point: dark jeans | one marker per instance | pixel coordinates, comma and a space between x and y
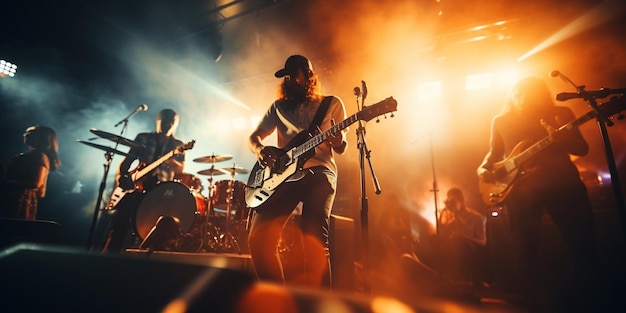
311, 267
570, 209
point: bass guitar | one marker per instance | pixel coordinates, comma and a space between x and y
264, 180
507, 171
119, 193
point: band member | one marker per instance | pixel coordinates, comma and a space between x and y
550, 182
462, 234
26, 174
293, 112
155, 144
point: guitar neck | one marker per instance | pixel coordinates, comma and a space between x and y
141, 173
321, 137
541, 144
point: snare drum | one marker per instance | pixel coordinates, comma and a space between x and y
169, 199
233, 192
189, 180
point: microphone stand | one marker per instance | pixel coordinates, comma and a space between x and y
435, 191
603, 122
364, 153
108, 156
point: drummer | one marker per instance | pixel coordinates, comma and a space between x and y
152, 146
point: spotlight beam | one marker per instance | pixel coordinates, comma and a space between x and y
603, 12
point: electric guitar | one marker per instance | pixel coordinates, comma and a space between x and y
263, 181
119, 193
508, 170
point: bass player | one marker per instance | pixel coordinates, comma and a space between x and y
155, 144
548, 181
296, 111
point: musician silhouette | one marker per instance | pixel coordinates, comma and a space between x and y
153, 145
462, 237
548, 181
26, 174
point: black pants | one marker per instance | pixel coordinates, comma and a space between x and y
311, 267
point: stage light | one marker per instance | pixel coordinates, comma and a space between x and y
239, 123
429, 90
507, 78
7, 69
478, 81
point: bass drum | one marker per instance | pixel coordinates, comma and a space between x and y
169, 199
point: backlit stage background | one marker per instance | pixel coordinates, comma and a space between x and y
448, 63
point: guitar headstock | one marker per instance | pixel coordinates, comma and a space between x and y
186, 146
383, 107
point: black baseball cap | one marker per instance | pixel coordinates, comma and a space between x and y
294, 63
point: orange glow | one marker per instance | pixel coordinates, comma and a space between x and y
263, 297
603, 12
478, 81
429, 90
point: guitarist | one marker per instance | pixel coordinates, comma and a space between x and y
548, 181
292, 113
156, 144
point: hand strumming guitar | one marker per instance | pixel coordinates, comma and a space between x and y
268, 156
126, 182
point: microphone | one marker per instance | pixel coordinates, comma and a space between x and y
364, 87
357, 91
142, 107
565, 79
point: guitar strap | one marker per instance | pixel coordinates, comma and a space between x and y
319, 115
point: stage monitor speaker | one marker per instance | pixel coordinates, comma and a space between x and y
39, 278
342, 251
14, 231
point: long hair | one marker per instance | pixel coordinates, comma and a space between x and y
313, 88
537, 94
45, 140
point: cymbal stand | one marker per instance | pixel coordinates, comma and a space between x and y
108, 156
205, 224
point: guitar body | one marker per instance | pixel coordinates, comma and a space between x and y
119, 192
142, 170
116, 196
493, 193
263, 181
507, 171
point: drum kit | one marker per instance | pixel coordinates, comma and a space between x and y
217, 223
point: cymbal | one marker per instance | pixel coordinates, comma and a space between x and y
233, 170
213, 158
212, 171
101, 147
118, 139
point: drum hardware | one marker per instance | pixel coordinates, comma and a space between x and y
101, 147
212, 172
225, 197
117, 139
213, 158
